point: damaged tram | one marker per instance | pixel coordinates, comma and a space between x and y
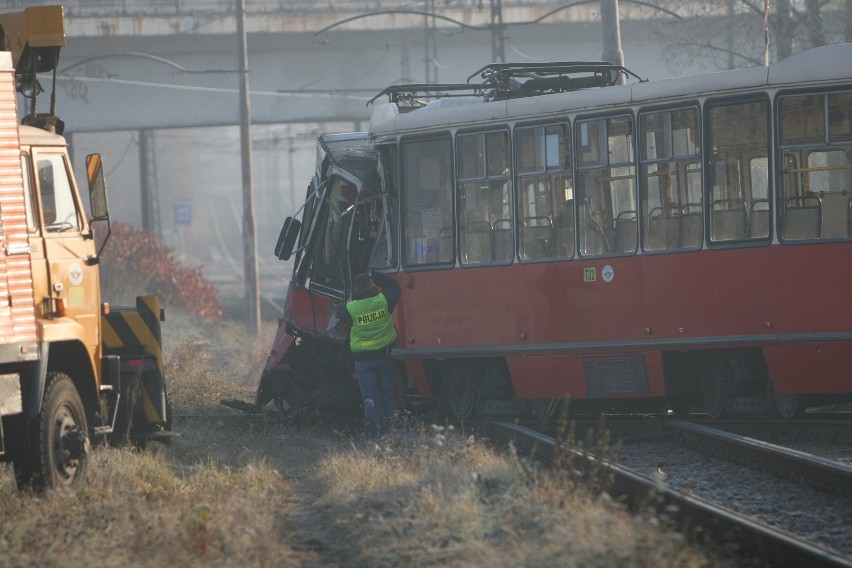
675, 244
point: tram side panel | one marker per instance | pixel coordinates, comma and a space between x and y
554, 329
560, 332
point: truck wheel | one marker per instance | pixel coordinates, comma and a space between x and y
57, 456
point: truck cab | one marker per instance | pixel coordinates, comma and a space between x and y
62, 245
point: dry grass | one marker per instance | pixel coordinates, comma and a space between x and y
235, 491
151, 509
209, 361
432, 498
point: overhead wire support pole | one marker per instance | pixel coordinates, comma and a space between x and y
611, 32
430, 42
252, 304
766, 4
148, 183
498, 51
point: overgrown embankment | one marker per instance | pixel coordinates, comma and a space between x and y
237, 491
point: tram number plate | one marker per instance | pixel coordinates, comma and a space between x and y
589, 274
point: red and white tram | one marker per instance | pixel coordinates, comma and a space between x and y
681, 242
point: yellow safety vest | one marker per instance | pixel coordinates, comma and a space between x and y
372, 323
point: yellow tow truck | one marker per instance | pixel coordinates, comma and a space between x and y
72, 370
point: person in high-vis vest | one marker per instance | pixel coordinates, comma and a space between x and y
371, 338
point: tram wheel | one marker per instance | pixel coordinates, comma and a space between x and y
463, 391
787, 405
715, 389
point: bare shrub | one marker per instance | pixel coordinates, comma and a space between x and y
135, 263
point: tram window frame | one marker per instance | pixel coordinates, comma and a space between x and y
730, 207
665, 218
813, 184
603, 225
482, 240
308, 233
548, 213
413, 207
388, 225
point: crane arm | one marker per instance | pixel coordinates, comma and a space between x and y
34, 38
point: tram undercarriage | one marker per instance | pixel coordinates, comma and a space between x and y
313, 382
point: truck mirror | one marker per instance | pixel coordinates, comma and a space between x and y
97, 187
287, 238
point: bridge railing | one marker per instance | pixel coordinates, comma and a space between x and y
88, 8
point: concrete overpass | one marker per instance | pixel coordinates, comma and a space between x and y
181, 67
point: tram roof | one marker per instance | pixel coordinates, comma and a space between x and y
822, 64
350, 155
353, 151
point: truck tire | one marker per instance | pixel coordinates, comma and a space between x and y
57, 455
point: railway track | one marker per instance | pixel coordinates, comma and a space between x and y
830, 427
754, 538
824, 426
821, 473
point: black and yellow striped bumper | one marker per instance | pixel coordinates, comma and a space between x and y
134, 335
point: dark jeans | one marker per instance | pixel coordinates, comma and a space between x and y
376, 381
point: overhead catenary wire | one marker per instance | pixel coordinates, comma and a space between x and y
312, 94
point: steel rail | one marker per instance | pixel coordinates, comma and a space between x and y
778, 547
832, 426
824, 474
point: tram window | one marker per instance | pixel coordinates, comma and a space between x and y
591, 143
341, 198
606, 189
759, 171
485, 198
827, 171
545, 192
670, 178
802, 119
694, 188
759, 213
839, 117
685, 133
816, 166
427, 201
620, 139
737, 176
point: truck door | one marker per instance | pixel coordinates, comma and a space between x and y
67, 244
